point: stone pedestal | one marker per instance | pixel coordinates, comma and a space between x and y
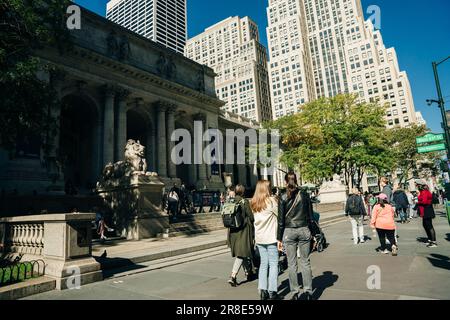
136, 206
62, 241
334, 194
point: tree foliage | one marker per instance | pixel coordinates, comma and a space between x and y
333, 136
27, 26
408, 163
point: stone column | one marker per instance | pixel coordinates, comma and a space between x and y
108, 125
121, 139
151, 147
172, 168
161, 140
202, 168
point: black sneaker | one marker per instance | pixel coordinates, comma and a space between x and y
274, 296
232, 281
264, 295
306, 296
295, 297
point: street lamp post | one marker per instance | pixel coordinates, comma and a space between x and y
441, 104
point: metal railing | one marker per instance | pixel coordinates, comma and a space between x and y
21, 271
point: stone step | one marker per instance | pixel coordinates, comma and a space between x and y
168, 262
195, 231
198, 217
27, 288
134, 260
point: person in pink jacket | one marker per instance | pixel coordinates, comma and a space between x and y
383, 221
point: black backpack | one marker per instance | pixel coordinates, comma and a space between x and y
353, 205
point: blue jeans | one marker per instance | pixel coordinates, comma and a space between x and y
268, 269
403, 214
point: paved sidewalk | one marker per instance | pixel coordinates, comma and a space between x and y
340, 273
121, 253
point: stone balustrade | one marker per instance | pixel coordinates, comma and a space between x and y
62, 241
26, 238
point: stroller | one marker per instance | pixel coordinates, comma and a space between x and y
318, 242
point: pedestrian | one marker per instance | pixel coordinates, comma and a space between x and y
241, 240
354, 210
383, 221
222, 200
183, 199
386, 188
401, 205
265, 208
426, 211
411, 204
294, 233
173, 200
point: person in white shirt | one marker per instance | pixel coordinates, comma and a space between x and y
265, 211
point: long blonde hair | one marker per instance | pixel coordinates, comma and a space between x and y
261, 196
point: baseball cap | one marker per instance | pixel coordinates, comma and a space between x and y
382, 196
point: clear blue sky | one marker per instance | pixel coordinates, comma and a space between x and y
419, 30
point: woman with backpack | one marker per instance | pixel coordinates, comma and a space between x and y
265, 209
241, 240
383, 221
356, 211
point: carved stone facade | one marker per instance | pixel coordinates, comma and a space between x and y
119, 86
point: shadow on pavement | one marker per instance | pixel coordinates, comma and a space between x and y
322, 282
448, 237
112, 266
422, 240
440, 261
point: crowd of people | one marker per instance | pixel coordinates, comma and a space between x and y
383, 209
275, 224
272, 225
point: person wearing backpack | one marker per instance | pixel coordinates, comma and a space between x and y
401, 205
241, 235
383, 221
265, 208
355, 211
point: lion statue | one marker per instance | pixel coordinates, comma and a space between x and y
135, 156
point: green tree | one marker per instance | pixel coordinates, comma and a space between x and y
335, 135
408, 163
27, 26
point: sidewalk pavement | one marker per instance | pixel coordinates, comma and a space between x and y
123, 253
342, 272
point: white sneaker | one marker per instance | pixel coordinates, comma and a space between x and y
394, 251
386, 251
362, 241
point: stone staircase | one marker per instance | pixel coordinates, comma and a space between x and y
196, 224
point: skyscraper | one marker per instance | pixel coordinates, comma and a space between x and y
323, 48
232, 48
163, 21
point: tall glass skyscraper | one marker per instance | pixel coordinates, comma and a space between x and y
163, 21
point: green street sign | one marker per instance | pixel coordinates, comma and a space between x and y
431, 137
432, 148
